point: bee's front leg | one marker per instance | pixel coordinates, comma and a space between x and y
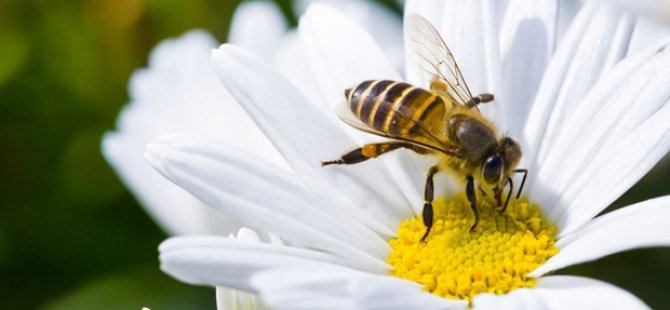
472, 198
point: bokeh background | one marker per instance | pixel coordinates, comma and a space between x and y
71, 235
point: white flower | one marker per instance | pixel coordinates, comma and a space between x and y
179, 92
591, 118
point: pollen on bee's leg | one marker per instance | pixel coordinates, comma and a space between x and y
456, 263
370, 150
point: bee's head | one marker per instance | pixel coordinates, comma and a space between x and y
498, 166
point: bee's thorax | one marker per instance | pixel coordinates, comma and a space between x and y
475, 139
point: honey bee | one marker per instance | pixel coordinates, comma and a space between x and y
443, 120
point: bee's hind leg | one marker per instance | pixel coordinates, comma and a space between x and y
428, 201
472, 198
371, 150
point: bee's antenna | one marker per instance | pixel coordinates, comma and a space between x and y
509, 195
523, 181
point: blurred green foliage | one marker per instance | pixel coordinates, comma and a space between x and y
71, 236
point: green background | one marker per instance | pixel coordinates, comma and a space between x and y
71, 236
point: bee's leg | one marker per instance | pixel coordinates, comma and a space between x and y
428, 201
472, 198
497, 193
371, 150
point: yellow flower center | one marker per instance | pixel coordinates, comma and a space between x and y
457, 263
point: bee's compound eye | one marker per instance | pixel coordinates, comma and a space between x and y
493, 169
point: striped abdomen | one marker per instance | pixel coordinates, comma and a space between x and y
394, 107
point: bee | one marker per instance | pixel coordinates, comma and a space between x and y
443, 120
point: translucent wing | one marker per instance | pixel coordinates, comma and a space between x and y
434, 61
422, 135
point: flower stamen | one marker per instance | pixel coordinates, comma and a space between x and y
457, 263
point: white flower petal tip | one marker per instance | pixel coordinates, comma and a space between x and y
638, 226
153, 153
339, 288
248, 235
156, 151
562, 292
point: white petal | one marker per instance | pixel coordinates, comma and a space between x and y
563, 292
289, 60
519, 299
305, 137
570, 292
527, 38
379, 21
174, 209
178, 92
644, 224
227, 298
342, 54
258, 26
608, 155
311, 288
259, 195
181, 93
230, 299
219, 261
567, 10
595, 42
242, 175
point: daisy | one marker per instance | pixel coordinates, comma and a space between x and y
592, 120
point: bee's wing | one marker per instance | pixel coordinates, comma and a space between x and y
434, 61
425, 137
